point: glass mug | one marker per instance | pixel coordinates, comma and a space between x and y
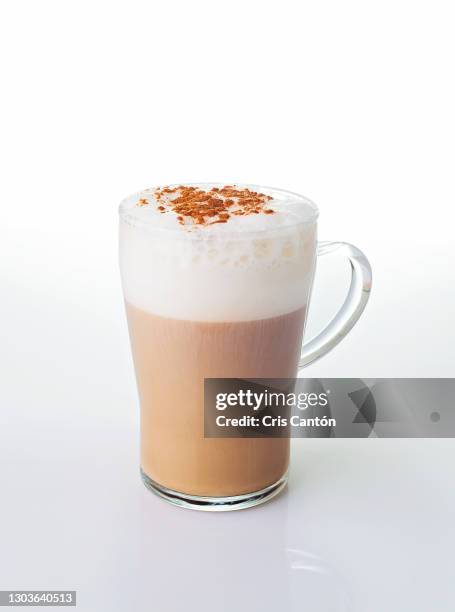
230, 303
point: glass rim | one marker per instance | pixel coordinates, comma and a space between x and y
125, 215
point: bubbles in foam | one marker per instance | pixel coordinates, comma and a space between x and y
252, 267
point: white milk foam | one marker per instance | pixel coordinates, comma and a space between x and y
252, 267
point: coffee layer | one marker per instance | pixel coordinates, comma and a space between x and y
172, 358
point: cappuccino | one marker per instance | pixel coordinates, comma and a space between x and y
216, 282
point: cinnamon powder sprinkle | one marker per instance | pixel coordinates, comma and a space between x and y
195, 206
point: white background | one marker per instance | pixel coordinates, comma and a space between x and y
350, 103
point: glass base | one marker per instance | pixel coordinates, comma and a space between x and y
215, 504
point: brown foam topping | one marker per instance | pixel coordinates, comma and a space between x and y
196, 206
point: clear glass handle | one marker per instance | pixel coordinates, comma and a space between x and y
352, 308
